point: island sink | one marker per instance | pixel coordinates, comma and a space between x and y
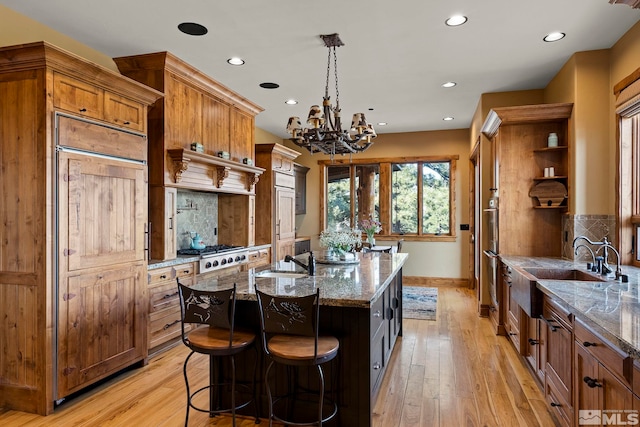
281, 274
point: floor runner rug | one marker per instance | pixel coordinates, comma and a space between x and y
419, 302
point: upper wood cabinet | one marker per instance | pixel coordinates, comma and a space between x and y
519, 136
82, 319
195, 108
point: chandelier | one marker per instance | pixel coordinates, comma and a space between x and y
325, 134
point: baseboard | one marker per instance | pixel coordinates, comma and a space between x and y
434, 281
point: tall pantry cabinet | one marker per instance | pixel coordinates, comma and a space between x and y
73, 178
276, 200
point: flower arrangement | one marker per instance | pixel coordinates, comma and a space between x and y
370, 226
340, 240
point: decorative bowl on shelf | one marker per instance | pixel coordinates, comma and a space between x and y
549, 193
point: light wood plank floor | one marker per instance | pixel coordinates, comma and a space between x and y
450, 372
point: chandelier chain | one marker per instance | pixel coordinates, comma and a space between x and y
326, 86
335, 69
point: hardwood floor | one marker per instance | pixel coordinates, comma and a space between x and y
450, 372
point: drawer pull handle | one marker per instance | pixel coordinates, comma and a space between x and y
170, 295
512, 333
168, 325
548, 322
593, 383
126, 122
377, 314
533, 342
83, 110
376, 366
589, 344
164, 276
555, 405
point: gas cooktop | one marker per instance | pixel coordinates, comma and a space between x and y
215, 249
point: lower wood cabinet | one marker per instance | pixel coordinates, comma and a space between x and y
164, 303
258, 258
557, 325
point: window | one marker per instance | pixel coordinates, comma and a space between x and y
409, 196
628, 196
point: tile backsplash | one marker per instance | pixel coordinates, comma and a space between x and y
593, 227
197, 212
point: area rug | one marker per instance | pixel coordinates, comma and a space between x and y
419, 302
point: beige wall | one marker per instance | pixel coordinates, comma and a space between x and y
429, 259
584, 81
18, 29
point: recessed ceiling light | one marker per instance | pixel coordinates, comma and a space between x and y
193, 29
269, 85
447, 119
291, 102
554, 37
456, 20
382, 123
449, 84
235, 61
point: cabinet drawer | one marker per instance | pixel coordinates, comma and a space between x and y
376, 315
378, 345
161, 274
258, 258
552, 310
282, 180
163, 296
614, 359
164, 325
77, 97
185, 271
557, 405
124, 112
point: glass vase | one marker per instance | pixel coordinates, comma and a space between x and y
371, 239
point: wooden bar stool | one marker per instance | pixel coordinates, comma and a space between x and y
220, 339
290, 338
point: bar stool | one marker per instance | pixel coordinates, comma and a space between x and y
290, 338
220, 339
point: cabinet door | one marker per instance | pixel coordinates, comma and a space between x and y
77, 97
285, 222
102, 324
102, 211
587, 392
558, 354
183, 115
615, 395
241, 140
124, 112
534, 345
215, 125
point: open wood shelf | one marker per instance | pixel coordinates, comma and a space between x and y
550, 149
546, 178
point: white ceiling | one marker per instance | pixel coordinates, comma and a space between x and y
396, 54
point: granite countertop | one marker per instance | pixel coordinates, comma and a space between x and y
346, 285
611, 308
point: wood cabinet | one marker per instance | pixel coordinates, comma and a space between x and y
301, 188
164, 303
196, 108
558, 326
275, 199
303, 245
512, 309
534, 345
72, 250
259, 257
519, 135
602, 374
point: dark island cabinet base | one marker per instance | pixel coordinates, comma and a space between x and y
367, 338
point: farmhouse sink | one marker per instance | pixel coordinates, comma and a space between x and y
562, 274
281, 274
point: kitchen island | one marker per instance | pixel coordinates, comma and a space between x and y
361, 305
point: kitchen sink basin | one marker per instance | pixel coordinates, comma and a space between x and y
562, 274
281, 274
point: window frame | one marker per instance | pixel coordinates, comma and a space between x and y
627, 94
385, 192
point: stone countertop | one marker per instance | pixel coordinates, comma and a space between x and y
344, 285
611, 308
